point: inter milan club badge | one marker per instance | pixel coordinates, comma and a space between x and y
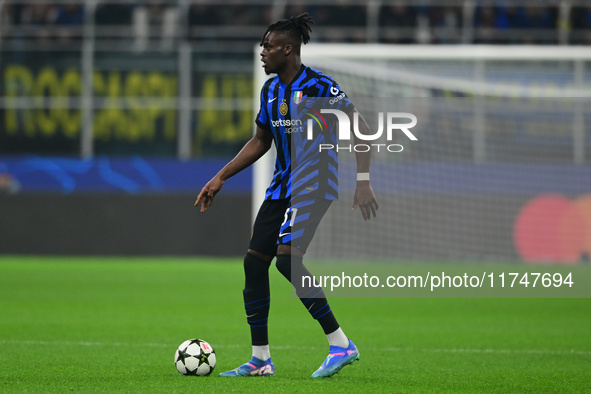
297, 97
283, 108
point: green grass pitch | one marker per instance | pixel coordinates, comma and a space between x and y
113, 324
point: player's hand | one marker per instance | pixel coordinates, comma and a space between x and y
366, 200
207, 194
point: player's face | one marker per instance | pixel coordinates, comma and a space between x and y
273, 55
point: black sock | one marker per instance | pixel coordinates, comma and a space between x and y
257, 298
313, 298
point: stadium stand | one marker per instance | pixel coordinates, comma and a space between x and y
394, 21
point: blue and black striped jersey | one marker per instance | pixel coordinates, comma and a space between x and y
301, 167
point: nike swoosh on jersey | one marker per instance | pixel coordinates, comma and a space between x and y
271, 100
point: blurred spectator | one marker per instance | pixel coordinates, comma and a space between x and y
204, 15
114, 20
40, 17
245, 15
485, 23
70, 14
8, 12
71, 17
580, 20
540, 17
445, 24
238, 17
544, 20
155, 12
345, 14
342, 13
509, 20
6, 15
350, 19
114, 14
156, 20
295, 10
510, 16
399, 22
514, 22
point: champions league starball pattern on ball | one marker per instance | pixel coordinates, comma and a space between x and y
195, 357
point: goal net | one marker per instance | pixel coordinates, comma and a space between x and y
500, 168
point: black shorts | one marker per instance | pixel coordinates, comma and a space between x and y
287, 222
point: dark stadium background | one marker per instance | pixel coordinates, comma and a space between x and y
76, 181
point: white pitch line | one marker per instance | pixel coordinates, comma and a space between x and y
82, 343
495, 351
391, 349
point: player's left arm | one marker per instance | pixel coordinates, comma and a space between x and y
364, 197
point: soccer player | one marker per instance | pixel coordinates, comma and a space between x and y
293, 205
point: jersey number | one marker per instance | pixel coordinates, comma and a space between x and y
289, 216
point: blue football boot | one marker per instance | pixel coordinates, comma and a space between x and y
255, 367
338, 357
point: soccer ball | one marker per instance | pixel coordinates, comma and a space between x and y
195, 357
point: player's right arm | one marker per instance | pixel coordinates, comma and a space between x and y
364, 197
253, 150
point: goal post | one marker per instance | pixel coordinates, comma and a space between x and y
491, 121
263, 169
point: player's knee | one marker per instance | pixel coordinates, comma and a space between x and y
283, 265
291, 266
288, 249
255, 263
260, 256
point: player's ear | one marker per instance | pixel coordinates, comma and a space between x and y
287, 49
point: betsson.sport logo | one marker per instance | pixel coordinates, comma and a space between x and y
297, 125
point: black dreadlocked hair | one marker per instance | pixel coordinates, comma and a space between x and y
296, 27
